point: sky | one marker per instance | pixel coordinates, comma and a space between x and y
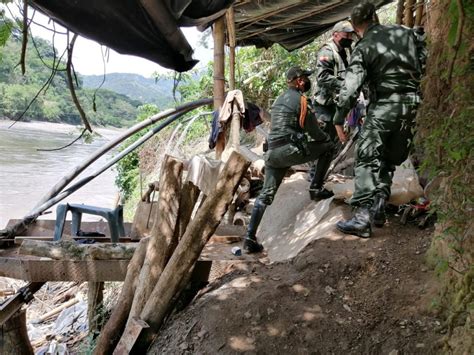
87, 55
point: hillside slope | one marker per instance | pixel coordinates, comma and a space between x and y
135, 86
340, 295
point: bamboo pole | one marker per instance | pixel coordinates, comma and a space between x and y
219, 77
400, 9
419, 12
54, 195
408, 16
230, 21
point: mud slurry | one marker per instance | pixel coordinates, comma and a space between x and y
344, 296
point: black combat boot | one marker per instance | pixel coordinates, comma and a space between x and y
378, 210
359, 225
250, 243
316, 190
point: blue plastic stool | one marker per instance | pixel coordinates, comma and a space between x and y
113, 217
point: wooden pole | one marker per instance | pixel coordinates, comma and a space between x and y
194, 239
95, 297
231, 41
400, 9
110, 334
419, 12
219, 77
408, 16
14, 336
162, 238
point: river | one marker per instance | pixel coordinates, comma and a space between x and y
27, 174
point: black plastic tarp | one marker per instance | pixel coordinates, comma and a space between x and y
128, 26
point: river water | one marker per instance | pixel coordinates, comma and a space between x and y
27, 174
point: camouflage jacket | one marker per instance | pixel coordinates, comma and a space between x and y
390, 60
330, 70
285, 114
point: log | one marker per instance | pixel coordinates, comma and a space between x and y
189, 196
162, 236
112, 330
95, 297
69, 250
194, 239
126, 343
14, 336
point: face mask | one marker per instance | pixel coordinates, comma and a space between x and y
345, 42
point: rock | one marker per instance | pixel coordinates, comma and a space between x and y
202, 333
347, 308
420, 345
394, 352
270, 311
247, 315
184, 346
329, 290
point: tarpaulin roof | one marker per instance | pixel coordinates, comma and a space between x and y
145, 28
291, 23
150, 28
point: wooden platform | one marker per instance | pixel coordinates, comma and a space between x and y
30, 268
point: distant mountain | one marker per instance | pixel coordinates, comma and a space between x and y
135, 86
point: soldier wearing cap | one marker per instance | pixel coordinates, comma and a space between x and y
390, 60
330, 69
291, 120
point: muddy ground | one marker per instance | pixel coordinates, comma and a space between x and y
338, 296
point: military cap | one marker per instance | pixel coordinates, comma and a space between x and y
343, 26
296, 72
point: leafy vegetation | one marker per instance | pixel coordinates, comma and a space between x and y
53, 104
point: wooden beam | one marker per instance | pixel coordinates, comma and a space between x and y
219, 77
37, 270
70, 250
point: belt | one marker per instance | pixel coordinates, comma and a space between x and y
279, 142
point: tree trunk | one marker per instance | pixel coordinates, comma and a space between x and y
112, 330
194, 239
189, 197
162, 236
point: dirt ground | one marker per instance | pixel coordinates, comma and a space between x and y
342, 296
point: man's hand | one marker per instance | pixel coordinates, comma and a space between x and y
341, 134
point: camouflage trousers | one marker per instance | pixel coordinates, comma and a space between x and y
279, 160
385, 142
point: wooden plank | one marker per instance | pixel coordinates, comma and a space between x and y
128, 340
37, 270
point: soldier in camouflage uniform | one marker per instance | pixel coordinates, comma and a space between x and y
287, 145
389, 59
330, 69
